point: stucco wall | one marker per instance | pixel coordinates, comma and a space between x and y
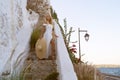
16, 25
65, 67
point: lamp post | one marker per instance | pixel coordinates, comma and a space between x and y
86, 36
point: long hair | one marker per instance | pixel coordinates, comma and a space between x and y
48, 18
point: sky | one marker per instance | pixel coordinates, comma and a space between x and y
101, 18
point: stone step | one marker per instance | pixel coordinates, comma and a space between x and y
36, 69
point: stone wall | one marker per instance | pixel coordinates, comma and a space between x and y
42, 7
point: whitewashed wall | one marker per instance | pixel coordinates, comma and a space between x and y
16, 25
65, 67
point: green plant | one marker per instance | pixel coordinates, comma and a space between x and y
54, 14
52, 76
67, 36
34, 37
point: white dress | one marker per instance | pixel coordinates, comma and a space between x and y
48, 36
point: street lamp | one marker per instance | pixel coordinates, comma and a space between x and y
86, 38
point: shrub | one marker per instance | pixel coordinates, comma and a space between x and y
34, 37
84, 71
87, 72
52, 76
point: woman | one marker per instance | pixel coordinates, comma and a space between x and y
43, 46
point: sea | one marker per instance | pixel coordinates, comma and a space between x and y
111, 71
